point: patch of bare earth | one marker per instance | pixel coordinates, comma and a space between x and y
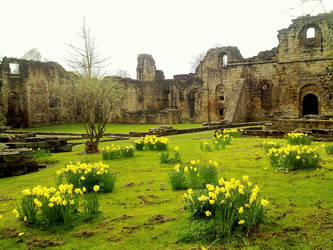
85, 233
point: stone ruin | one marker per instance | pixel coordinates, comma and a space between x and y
293, 80
16, 152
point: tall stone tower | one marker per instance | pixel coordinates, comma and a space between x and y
146, 70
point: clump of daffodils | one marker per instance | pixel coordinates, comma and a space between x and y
270, 144
219, 141
49, 205
195, 174
233, 132
171, 156
152, 143
117, 152
293, 157
299, 139
88, 175
232, 205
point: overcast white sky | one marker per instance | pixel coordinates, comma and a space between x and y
173, 31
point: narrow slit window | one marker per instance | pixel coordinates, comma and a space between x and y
225, 61
310, 33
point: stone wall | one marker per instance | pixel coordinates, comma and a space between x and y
292, 80
28, 92
275, 83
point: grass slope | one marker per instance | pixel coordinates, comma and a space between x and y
301, 202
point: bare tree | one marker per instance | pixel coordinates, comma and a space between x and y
123, 73
197, 60
32, 54
84, 58
86, 97
308, 7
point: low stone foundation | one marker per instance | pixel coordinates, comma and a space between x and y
289, 125
29, 140
16, 161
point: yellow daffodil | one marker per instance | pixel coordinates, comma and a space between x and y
96, 188
241, 222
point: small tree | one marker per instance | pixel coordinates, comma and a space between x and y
84, 58
87, 97
90, 100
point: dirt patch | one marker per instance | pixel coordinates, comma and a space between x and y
292, 229
114, 238
131, 184
146, 202
41, 243
284, 214
268, 235
121, 217
159, 219
129, 229
151, 182
7, 198
9, 232
324, 217
84, 233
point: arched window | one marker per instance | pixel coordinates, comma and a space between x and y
310, 105
225, 61
310, 33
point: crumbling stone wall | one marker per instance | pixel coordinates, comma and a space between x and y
29, 93
286, 81
274, 83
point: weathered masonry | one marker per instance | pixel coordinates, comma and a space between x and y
293, 80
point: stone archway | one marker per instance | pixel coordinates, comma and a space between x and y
310, 105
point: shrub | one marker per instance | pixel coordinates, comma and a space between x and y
88, 175
298, 139
166, 158
233, 132
52, 206
117, 152
194, 175
219, 211
293, 157
152, 143
270, 144
329, 149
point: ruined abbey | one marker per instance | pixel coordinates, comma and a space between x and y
293, 80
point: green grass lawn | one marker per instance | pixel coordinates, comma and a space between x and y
301, 203
110, 128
